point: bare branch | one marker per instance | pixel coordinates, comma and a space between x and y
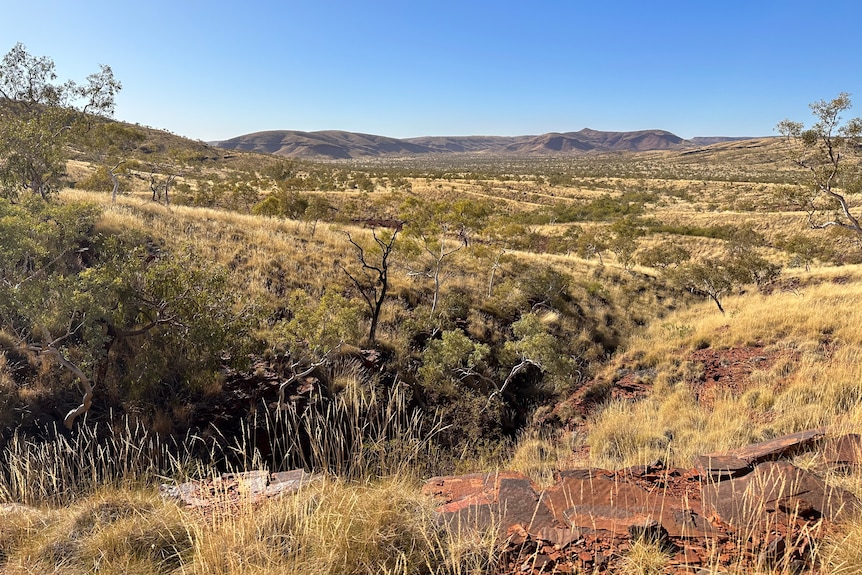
87, 401
304, 373
515, 371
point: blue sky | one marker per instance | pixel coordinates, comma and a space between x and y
213, 70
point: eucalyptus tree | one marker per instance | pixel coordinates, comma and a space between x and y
830, 151
436, 232
39, 115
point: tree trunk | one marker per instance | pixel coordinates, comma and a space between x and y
116, 181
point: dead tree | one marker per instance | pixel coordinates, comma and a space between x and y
525, 363
494, 267
372, 280
829, 151
158, 187
87, 401
299, 375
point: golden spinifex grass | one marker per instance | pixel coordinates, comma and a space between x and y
92, 503
60, 470
333, 527
814, 382
362, 432
359, 433
644, 558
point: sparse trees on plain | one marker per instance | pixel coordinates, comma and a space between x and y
623, 241
716, 277
112, 144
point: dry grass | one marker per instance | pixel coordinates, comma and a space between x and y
644, 558
540, 456
815, 382
331, 527
380, 526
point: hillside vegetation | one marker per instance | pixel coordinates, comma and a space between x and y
178, 310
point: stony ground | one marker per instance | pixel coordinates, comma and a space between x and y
741, 509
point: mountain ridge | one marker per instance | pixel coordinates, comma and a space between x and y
338, 144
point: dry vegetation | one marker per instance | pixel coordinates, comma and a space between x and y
546, 275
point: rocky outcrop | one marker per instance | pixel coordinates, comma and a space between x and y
740, 508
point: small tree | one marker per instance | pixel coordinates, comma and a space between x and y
623, 241
591, 243
438, 231
711, 277
113, 144
318, 209
663, 256
38, 116
717, 277
830, 151
804, 250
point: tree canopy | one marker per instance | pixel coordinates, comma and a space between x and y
38, 115
829, 151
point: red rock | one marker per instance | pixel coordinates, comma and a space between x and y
600, 559
844, 451
593, 500
779, 446
486, 499
286, 482
744, 502
688, 557
561, 538
516, 534
719, 467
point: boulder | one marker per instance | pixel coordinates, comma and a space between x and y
778, 447
843, 452
490, 500
776, 492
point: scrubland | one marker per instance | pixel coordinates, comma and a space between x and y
552, 278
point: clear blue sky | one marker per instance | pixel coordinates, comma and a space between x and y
214, 69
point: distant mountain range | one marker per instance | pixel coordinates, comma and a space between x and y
334, 144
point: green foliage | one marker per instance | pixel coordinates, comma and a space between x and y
829, 153
269, 206
664, 255
535, 340
453, 351
623, 241
136, 320
454, 381
718, 276
283, 203
99, 180
601, 209
711, 277
545, 286
591, 243
320, 324
38, 116
505, 231
805, 249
